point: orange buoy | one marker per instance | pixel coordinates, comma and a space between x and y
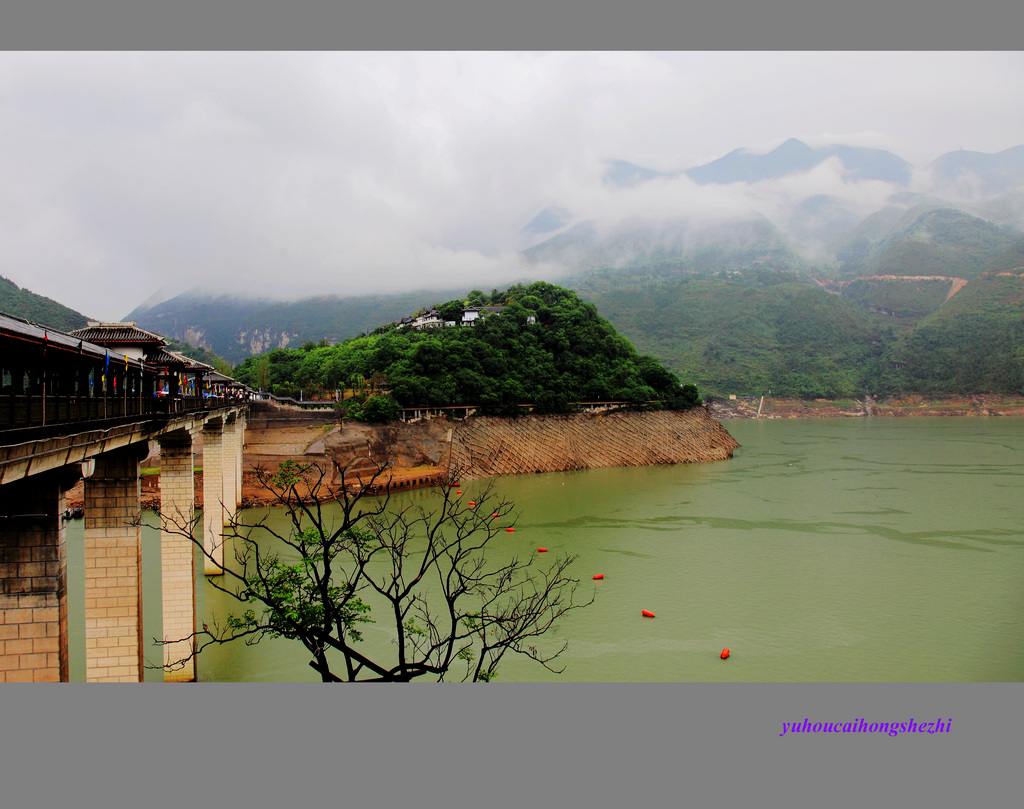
510, 530
599, 576
459, 491
494, 515
647, 613
542, 550
725, 653
472, 502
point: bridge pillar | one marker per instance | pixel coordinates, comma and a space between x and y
177, 554
33, 579
113, 550
214, 510
240, 437
231, 448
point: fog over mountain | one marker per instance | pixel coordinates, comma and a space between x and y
132, 177
814, 197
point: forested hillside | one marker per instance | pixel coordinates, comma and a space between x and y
748, 333
973, 344
546, 348
935, 241
44, 311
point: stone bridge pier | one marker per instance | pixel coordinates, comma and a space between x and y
33, 578
33, 566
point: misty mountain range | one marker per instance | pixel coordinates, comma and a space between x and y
893, 252
792, 157
814, 226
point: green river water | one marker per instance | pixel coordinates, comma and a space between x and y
833, 550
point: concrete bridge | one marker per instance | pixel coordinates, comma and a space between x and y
74, 409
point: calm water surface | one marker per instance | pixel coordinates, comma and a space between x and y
825, 550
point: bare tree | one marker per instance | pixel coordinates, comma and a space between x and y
455, 605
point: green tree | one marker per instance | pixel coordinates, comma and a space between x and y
262, 371
455, 604
451, 311
380, 409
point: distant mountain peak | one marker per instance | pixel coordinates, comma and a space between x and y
792, 145
624, 174
793, 156
547, 221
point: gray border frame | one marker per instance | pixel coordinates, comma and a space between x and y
506, 745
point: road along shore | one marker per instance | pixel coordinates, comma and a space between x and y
752, 407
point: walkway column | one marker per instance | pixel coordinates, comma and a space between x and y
232, 446
177, 554
33, 579
239, 467
113, 551
213, 497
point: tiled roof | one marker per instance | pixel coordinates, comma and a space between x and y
118, 333
172, 359
34, 333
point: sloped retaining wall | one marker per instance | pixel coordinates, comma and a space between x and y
491, 447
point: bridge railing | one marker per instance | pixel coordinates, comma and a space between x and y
22, 412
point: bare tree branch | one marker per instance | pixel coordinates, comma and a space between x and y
455, 605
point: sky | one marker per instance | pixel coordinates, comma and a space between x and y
133, 176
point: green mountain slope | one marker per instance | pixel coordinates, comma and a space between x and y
44, 311
748, 333
939, 241
1011, 259
897, 303
972, 344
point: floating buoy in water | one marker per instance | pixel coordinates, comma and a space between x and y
647, 613
599, 576
725, 653
472, 502
459, 491
542, 550
494, 515
510, 530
